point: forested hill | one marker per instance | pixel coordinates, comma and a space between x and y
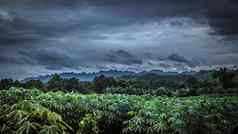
119, 74
81, 76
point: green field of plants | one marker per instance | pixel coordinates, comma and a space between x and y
31, 111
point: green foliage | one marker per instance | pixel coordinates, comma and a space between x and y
101, 82
223, 81
182, 92
55, 83
89, 125
153, 81
27, 128
28, 118
71, 113
50, 130
8, 83
71, 84
34, 84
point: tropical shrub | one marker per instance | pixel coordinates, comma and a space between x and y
32, 111
28, 118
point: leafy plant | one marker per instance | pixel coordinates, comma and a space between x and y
71, 113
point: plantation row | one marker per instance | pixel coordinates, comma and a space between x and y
34, 112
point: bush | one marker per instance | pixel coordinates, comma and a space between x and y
58, 112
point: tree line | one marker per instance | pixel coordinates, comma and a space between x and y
222, 78
57, 83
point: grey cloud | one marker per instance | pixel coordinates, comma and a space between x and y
177, 23
10, 29
29, 27
178, 58
11, 60
199, 61
60, 34
194, 61
17, 30
122, 57
50, 59
222, 17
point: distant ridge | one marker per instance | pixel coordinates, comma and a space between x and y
90, 76
81, 76
84, 76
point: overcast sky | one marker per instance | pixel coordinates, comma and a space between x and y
47, 36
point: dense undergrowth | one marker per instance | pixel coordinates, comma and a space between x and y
28, 111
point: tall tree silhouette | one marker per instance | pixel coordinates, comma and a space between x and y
101, 82
225, 77
55, 83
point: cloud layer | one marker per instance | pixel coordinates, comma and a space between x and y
42, 36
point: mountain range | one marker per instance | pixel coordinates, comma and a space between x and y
110, 73
203, 73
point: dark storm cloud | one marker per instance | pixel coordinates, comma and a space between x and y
51, 59
20, 26
10, 60
178, 58
195, 61
122, 57
11, 29
223, 17
56, 34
